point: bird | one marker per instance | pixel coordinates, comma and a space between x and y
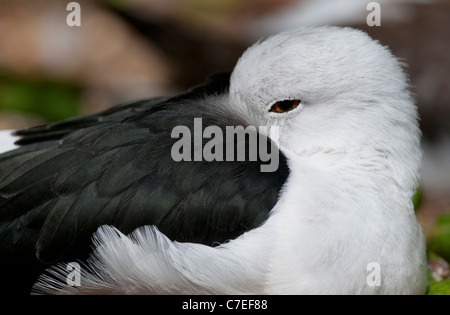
335, 216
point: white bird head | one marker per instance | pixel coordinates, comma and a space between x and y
343, 92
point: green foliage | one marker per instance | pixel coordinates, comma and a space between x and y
439, 288
417, 198
50, 100
439, 247
440, 242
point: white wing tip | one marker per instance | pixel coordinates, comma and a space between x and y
7, 139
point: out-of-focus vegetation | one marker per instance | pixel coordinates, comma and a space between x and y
439, 255
130, 49
439, 287
40, 98
438, 275
440, 240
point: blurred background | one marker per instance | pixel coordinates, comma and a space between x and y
132, 49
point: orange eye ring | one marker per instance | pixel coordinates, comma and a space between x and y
284, 106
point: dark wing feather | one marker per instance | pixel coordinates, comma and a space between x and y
115, 168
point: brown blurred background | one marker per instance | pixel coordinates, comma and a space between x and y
132, 49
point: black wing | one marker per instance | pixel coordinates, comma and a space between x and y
115, 168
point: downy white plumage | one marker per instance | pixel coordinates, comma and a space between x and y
354, 155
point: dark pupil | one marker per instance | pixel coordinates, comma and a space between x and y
285, 105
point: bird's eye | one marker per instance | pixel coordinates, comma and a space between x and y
284, 106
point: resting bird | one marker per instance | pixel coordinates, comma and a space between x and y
334, 217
